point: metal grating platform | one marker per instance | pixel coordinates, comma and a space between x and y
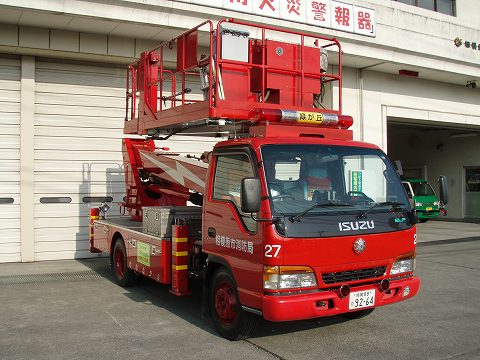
43, 278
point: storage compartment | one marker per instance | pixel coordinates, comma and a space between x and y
283, 81
158, 220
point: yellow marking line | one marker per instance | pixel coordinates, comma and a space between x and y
180, 253
179, 267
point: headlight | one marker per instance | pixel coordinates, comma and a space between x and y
404, 264
436, 203
288, 277
418, 204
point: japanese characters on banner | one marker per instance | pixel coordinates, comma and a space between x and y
342, 16
364, 21
266, 8
318, 13
325, 13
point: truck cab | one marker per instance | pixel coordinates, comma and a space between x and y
423, 198
332, 233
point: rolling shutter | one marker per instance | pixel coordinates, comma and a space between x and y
9, 160
78, 126
79, 115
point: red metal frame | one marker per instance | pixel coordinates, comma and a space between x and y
148, 184
147, 79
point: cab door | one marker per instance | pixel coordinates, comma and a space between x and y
230, 236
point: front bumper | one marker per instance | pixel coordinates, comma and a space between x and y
328, 303
424, 214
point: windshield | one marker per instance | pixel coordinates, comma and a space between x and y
422, 189
339, 178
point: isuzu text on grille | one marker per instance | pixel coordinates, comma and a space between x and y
356, 225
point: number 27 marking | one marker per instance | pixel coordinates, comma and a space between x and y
270, 248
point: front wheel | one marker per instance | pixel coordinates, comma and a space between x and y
422, 220
231, 321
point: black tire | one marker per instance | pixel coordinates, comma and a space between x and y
123, 274
230, 320
422, 220
358, 314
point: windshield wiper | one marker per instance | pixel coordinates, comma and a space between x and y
330, 203
394, 206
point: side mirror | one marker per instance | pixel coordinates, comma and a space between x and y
413, 216
250, 195
442, 184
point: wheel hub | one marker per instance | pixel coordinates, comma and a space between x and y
225, 303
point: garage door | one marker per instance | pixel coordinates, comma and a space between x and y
78, 120
79, 115
9, 159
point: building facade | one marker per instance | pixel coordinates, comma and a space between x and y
409, 83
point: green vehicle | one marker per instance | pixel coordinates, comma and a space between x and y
423, 198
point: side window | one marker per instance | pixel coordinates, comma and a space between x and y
229, 172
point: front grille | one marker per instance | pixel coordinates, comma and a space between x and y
352, 275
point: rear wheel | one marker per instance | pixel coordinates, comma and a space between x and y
358, 314
123, 274
231, 321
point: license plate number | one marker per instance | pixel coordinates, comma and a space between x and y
361, 299
429, 209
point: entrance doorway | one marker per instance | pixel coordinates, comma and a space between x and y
472, 192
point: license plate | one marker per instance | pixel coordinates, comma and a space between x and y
429, 209
361, 299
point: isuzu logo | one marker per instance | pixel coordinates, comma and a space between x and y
359, 245
356, 225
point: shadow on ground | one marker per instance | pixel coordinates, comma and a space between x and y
189, 308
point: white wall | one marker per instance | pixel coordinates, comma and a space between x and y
405, 34
467, 11
393, 95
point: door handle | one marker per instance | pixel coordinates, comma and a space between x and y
212, 232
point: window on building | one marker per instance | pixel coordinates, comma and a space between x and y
441, 6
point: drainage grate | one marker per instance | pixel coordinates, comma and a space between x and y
42, 278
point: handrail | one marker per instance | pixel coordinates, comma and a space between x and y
151, 69
265, 69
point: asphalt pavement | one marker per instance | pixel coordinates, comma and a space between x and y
74, 310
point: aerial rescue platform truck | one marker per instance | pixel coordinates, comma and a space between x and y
291, 218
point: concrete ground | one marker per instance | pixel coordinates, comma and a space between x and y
445, 230
74, 310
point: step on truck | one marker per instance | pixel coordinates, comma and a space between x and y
286, 218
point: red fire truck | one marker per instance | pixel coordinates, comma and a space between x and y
286, 219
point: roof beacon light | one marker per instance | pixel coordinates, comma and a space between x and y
301, 117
